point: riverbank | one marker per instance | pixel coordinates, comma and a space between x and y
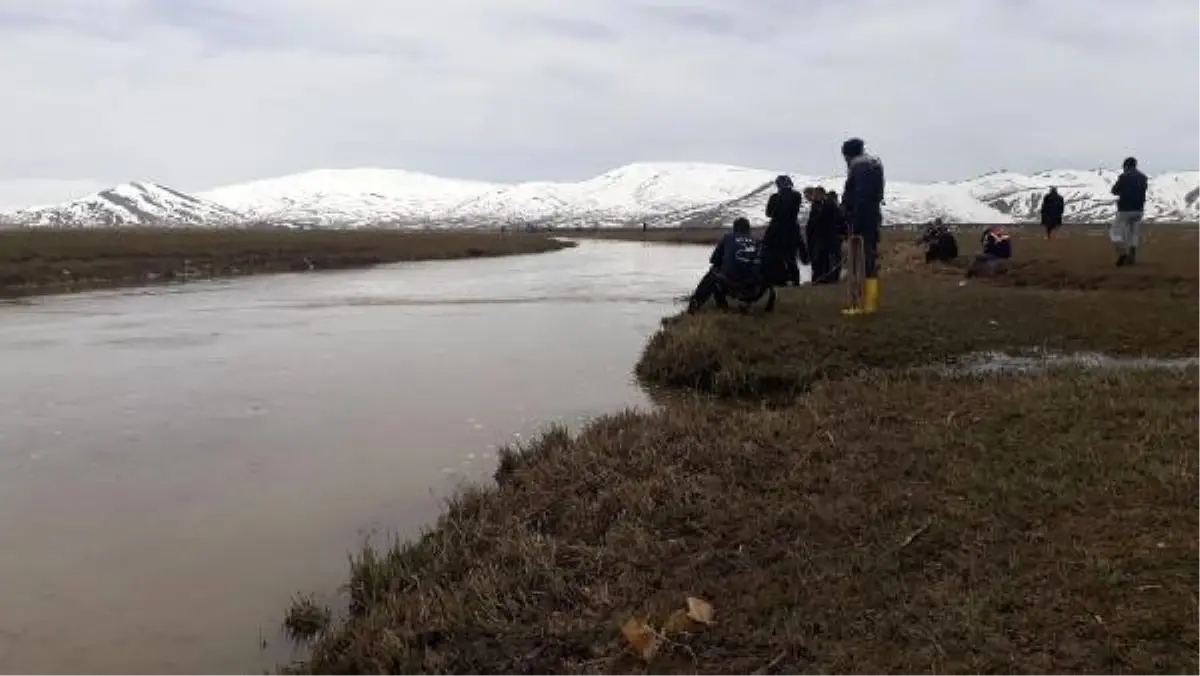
39, 261
893, 510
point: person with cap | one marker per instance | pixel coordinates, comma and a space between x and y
1130, 189
862, 203
782, 241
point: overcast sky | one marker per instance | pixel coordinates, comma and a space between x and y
201, 93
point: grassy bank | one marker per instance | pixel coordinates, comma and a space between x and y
874, 517
51, 261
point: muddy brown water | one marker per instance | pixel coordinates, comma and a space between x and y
177, 462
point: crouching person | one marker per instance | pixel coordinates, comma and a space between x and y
997, 247
735, 269
940, 244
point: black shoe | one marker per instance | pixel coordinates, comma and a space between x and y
1129, 259
1122, 260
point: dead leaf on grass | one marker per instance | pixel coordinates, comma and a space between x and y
678, 623
699, 610
641, 637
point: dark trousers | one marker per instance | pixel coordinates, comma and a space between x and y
777, 270
709, 287
826, 256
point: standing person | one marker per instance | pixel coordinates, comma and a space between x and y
862, 202
1052, 211
824, 237
839, 229
782, 239
812, 227
1130, 189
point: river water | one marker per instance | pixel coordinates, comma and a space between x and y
177, 462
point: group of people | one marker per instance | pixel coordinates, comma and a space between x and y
942, 246
749, 269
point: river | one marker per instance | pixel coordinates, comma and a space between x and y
177, 462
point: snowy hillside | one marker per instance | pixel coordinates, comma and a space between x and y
129, 204
1086, 194
660, 194
347, 196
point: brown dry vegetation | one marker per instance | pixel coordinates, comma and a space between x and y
43, 261
872, 517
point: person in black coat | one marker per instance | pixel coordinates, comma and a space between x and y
824, 232
1052, 211
782, 241
940, 244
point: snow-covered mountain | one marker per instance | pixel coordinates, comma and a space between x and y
660, 194
129, 204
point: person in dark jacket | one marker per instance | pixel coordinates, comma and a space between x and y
824, 236
782, 240
862, 203
1052, 211
735, 268
996, 245
940, 244
1130, 189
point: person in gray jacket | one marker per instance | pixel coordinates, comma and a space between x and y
1130, 189
862, 203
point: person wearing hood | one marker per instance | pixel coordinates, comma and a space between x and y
862, 203
1052, 211
1130, 189
782, 241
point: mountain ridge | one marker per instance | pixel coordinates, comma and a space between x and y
662, 194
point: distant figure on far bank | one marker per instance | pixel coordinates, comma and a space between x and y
1052, 211
782, 241
1130, 189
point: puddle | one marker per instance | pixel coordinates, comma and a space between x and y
1035, 360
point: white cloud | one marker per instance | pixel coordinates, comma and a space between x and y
199, 93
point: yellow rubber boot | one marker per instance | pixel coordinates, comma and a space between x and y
871, 295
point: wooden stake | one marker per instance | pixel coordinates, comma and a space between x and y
857, 272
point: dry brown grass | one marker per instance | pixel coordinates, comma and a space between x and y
42, 261
888, 524
870, 517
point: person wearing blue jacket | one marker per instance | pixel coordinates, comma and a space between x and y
735, 266
862, 202
1130, 189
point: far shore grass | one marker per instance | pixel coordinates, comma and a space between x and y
830, 503
39, 261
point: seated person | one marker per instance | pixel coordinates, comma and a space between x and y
997, 246
940, 244
735, 269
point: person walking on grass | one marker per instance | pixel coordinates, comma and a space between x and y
1052, 211
1130, 189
